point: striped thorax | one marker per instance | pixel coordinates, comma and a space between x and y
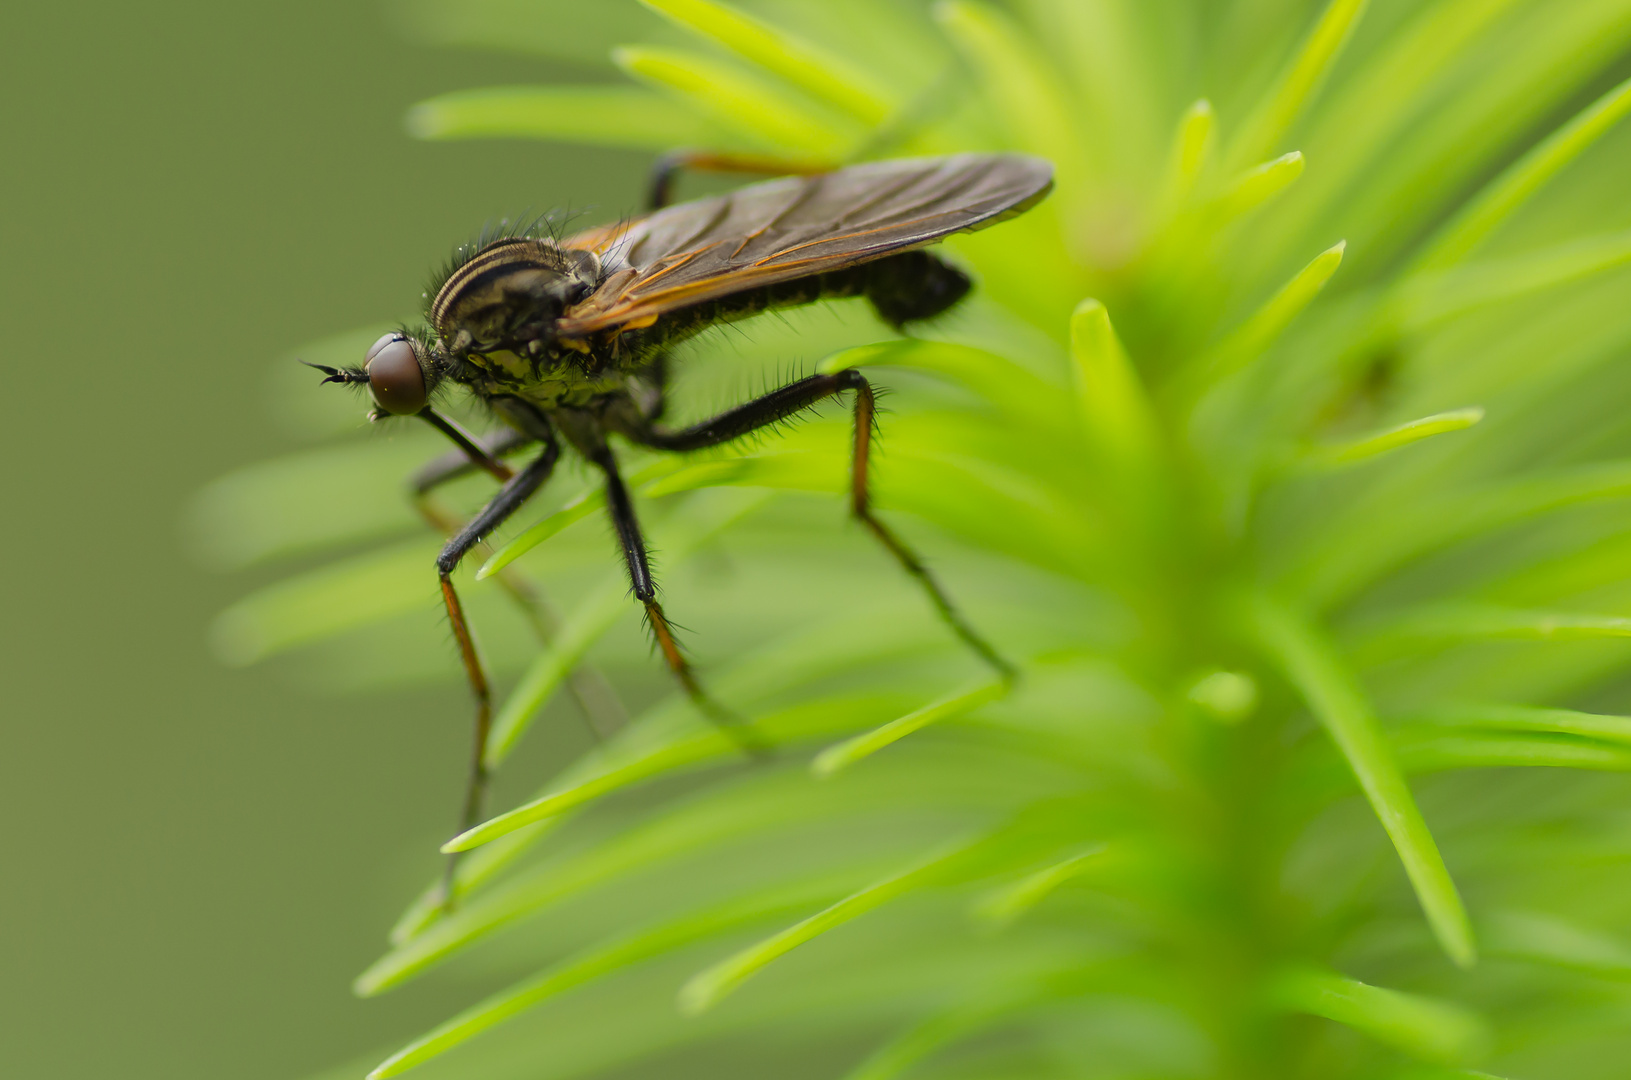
509, 295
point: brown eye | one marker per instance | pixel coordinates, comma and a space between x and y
394, 375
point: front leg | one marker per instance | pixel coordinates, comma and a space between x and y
474, 452
509, 499
459, 463
603, 712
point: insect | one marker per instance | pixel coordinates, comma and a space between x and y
568, 341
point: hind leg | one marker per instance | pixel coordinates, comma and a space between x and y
794, 398
661, 190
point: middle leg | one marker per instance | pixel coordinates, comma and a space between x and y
633, 542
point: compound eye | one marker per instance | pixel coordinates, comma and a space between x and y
394, 375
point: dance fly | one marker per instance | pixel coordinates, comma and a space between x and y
567, 341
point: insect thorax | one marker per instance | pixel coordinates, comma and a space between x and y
509, 294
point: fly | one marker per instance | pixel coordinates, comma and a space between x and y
567, 340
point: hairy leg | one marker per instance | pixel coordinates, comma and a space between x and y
793, 398
633, 542
509, 499
602, 710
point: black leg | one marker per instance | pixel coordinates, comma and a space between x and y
661, 191
597, 701
621, 508
760, 412
861, 507
794, 398
457, 463
509, 499
477, 455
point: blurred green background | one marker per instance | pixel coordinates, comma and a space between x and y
204, 858
209, 856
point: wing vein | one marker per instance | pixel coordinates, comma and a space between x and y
804, 194
727, 203
695, 252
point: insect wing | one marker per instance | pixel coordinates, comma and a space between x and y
794, 227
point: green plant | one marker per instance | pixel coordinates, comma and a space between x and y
1264, 515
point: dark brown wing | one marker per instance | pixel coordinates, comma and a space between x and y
790, 228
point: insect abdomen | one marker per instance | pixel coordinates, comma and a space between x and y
913, 285
902, 288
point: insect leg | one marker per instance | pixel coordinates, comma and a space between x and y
475, 453
602, 711
457, 463
793, 398
509, 499
629, 536
861, 507
661, 190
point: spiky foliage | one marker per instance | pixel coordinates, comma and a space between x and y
1314, 555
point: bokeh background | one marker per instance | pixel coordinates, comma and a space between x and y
200, 859
207, 856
